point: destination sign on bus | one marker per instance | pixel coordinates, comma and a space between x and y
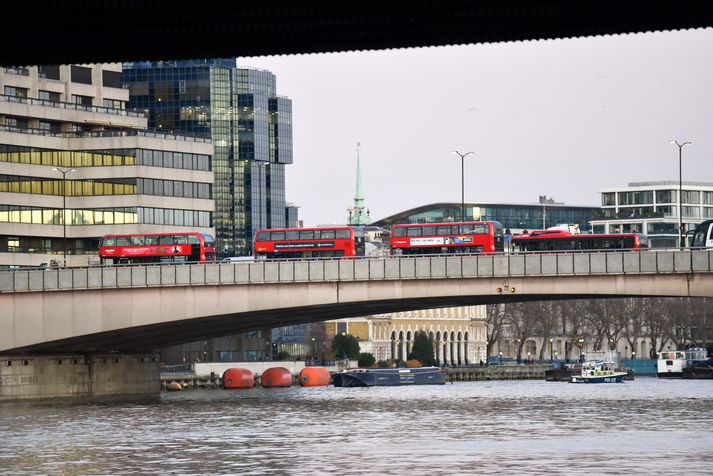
304, 244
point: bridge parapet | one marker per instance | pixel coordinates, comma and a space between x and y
360, 269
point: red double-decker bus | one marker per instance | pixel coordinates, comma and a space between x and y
332, 242
157, 248
560, 240
443, 238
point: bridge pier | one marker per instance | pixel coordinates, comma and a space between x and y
79, 376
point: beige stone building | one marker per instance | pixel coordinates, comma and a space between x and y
458, 333
76, 164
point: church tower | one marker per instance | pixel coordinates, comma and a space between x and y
358, 214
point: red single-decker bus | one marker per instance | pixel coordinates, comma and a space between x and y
157, 248
442, 238
560, 240
332, 242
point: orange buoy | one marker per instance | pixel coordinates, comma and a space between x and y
174, 387
276, 377
238, 378
314, 377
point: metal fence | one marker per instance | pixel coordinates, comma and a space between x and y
359, 269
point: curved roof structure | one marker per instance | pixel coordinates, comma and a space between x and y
51, 32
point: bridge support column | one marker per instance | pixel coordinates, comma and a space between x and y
78, 376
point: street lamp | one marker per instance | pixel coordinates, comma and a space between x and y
633, 355
551, 357
501, 357
580, 343
556, 358
462, 182
64, 173
518, 351
680, 189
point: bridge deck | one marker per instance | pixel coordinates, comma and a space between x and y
359, 269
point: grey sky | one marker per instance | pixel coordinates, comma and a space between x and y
564, 118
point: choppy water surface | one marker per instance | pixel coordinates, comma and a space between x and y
648, 426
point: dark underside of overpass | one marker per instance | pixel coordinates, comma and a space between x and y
150, 338
85, 31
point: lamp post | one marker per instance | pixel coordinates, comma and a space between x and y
633, 355
462, 182
501, 357
64, 173
580, 343
518, 351
551, 357
556, 358
680, 190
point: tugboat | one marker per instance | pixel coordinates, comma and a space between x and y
389, 377
598, 371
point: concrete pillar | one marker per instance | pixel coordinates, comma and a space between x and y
77, 376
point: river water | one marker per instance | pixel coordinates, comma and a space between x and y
647, 426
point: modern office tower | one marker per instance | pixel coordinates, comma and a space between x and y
249, 125
75, 164
652, 208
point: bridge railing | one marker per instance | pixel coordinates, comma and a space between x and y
385, 268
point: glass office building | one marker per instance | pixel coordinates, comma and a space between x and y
517, 217
250, 128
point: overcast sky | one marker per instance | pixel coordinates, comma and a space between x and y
563, 118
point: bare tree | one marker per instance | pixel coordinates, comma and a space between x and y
495, 319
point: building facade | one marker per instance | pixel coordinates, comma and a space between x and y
76, 164
652, 208
516, 217
458, 333
249, 125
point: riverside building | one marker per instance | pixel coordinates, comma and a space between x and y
652, 208
249, 125
458, 333
76, 164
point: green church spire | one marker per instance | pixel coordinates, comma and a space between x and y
359, 214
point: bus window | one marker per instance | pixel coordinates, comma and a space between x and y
399, 232
180, 240
343, 234
151, 240
306, 234
263, 236
277, 236
293, 235
194, 240
137, 240
165, 240
122, 241
110, 241
414, 231
443, 230
328, 234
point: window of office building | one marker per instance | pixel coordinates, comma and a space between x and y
16, 122
636, 198
661, 228
48, 71
83, 100
665, 196
691, 212
15, 91
48, 96
81, 74
111, 79
691, 196
18, 71
113, 103
707, 212
608, 199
